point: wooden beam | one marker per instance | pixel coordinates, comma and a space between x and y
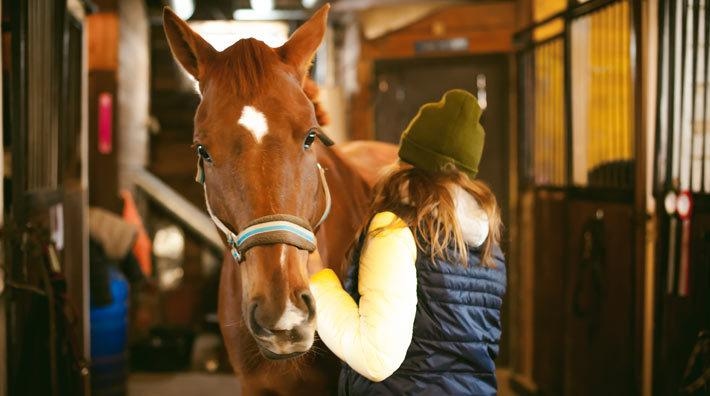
404, 45
523, 14
184, 211
103, 41
358, 5
488, 28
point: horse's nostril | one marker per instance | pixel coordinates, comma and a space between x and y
308, 300
256, 328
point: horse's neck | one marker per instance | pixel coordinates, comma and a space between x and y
350, 195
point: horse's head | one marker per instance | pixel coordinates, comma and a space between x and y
254, 129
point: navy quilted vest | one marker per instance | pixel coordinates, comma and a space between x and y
456, 332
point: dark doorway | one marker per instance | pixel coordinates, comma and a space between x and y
402, 86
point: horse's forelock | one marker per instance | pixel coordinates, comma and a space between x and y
244, 69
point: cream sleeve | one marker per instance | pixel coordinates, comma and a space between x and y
372, 337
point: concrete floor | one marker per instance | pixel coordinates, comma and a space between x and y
503, 376
183, 384
201, 384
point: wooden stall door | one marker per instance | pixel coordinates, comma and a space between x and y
584, 296
549, 279
600, 299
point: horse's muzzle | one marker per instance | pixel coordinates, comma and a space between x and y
279, 342
276, 349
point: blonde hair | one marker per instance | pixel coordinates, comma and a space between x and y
424, 201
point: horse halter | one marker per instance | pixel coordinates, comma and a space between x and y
271, 229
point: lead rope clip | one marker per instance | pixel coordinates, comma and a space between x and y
235, 252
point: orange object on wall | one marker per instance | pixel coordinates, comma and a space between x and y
103, 36
143, 247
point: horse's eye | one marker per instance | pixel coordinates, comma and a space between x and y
310, 138
202, 151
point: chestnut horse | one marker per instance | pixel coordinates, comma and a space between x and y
261, 159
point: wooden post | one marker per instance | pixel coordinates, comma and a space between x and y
645, 202
3, 302
103, 32
77, 201
522, 204
133, 90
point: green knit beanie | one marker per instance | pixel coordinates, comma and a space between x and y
445, 133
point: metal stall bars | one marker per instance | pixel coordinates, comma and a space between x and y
682, 184
577, 140
601, 99
599, 151
45, 233
542, 105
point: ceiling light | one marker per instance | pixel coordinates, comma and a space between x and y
262, 5
222, 34
183, 8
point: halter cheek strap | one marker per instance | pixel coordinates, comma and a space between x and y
326, 191
200, 176
266, 230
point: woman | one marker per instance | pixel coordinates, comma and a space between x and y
420, 311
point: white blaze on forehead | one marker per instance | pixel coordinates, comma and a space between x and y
254, 121
290, 318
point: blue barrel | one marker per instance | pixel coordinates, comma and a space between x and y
109, 325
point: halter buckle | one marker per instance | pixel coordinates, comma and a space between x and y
232, 241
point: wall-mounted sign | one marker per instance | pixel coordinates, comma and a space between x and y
105, 123
457, 44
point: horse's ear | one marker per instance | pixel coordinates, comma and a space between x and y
188, 47
300, 48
